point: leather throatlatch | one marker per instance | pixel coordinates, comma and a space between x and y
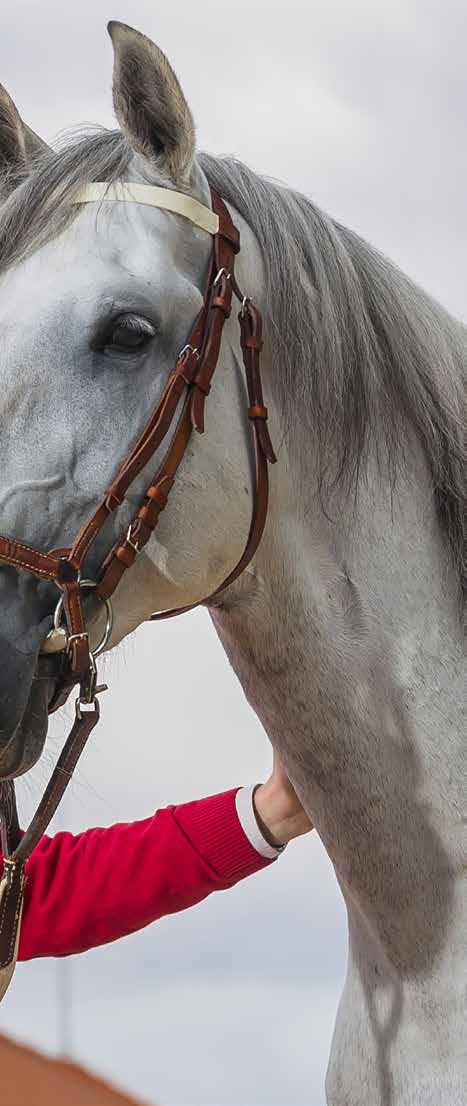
190, 383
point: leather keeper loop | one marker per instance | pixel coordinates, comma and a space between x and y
251, 328
198, 400
186, 366
113, 501
257, 412
126, 554
157, 495
220, 301
229, 231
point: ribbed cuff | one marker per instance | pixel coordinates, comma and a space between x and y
247, 818
213, 828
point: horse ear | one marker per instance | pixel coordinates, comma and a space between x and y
18, 143
149, 103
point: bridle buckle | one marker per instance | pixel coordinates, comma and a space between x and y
75, 637
129, 540
188, 351
82, 706
222, 273
89, 689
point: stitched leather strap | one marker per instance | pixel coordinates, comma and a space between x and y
12, 883
251, 342
194, 372
197, 374
24, 556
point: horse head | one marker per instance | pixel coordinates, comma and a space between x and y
96, 303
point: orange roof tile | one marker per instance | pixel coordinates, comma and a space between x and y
29, 1079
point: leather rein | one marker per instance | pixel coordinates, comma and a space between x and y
190, 381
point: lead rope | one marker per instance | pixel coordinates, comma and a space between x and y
17, 848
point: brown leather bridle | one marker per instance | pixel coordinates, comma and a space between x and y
189, 380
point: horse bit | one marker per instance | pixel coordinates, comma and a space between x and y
66, 654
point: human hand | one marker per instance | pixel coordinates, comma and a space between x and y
278, 809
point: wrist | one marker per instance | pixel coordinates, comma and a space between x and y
279, 818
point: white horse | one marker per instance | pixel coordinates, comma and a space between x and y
345, 632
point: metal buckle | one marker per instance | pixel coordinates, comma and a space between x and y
86, 699
83, 707
186, 350
75, 637
129, 541
222, 272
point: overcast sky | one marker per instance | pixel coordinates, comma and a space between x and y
362, 106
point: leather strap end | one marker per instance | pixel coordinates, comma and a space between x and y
265, 441
197, 410
126, 554
110, 578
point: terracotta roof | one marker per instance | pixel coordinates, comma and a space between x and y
29, 1079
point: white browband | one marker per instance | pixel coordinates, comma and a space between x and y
177, 202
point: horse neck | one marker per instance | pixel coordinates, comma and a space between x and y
335, 635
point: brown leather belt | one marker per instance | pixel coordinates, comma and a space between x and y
190, 378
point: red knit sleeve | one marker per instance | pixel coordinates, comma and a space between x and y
86, 890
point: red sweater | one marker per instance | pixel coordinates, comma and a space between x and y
102, 884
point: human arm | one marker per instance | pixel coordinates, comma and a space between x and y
86, 890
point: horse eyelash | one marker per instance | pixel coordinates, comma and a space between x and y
103, 334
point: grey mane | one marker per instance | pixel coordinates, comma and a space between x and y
361, 352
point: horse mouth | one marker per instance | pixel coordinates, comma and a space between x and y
25, 745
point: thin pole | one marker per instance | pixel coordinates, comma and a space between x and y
64, 989
64, 982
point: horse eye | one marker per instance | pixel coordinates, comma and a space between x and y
129, 333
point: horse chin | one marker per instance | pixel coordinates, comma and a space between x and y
26, 744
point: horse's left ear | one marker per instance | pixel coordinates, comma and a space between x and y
18, 143
149, 103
